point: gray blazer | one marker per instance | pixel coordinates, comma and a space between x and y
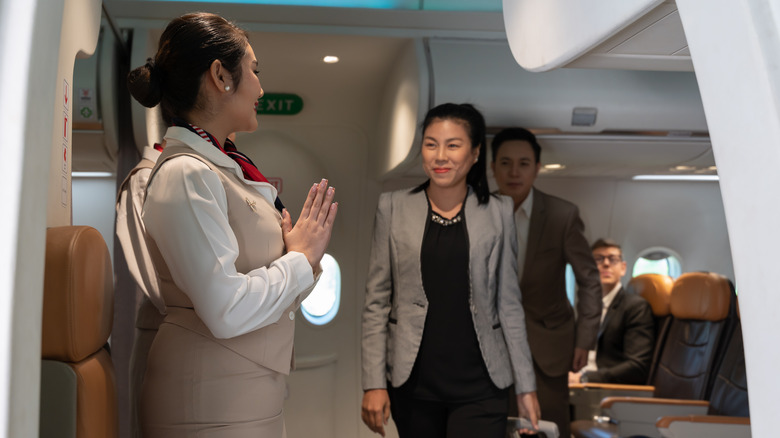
396, 305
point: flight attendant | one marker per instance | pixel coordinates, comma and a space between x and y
231, 266
444, 335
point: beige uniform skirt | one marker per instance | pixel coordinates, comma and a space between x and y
194, 387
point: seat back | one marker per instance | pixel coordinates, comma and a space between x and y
703, 312
656, 289
729, 394
78, 393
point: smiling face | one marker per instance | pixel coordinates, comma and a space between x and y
447, 153
242, 106
515, 169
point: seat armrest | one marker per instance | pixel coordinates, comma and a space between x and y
611, 386
585, 398
637, 415
695, 426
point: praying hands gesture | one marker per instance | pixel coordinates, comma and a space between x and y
311, 232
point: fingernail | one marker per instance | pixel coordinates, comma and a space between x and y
331, 190
323, 183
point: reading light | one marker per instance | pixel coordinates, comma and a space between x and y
554, 166
330, 59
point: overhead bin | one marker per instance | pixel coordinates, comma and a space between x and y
485, 74
624, 107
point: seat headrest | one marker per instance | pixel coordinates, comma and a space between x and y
656, 289
78, 297
701, 296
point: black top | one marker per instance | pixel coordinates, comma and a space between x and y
449, 365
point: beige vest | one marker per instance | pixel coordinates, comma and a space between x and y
257, 226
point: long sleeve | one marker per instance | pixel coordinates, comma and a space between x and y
130, 233
579, 255
510, 307
186, 214
379, 288
638, 339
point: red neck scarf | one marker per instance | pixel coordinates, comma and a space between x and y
251, 172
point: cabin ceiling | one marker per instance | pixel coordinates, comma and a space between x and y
290, 42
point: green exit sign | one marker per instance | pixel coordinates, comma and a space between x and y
280, 104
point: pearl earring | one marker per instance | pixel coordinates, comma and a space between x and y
227, 87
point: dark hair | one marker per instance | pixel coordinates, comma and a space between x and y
516, 134
606, 243
187, 48
475, 127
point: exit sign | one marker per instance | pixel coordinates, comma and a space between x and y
280, 104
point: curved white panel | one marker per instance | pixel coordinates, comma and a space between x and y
735, 52
545, 34
403, 106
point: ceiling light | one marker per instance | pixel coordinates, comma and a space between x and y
713, 168
554, 166
683, 168
92, 174
676, 178
330, 59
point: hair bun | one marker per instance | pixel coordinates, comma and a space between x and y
145, 84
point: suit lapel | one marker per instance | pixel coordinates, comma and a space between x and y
535, 228
611, 311
415, 219
474, 224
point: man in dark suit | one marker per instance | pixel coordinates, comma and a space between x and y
626, 338
550, 235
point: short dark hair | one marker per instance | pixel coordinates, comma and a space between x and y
606, 243
187, 48
522, 134
475, 127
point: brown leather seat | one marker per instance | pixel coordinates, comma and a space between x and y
728, 398
703, 315
78, 394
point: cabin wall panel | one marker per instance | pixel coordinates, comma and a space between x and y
687, 217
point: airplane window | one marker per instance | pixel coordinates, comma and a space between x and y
571, 284
658, 260
322, 305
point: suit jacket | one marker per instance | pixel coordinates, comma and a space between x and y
396, 304
555, 238
625, 341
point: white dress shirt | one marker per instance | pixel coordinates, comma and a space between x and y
186, 214
522, 224
130, 231
606, 301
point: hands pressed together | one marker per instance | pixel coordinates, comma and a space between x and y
312, 231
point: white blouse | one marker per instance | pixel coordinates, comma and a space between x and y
186, 215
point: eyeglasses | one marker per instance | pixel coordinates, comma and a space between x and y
612, 259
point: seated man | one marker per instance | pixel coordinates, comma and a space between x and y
626, 336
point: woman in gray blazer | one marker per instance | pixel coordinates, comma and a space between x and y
443, 324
